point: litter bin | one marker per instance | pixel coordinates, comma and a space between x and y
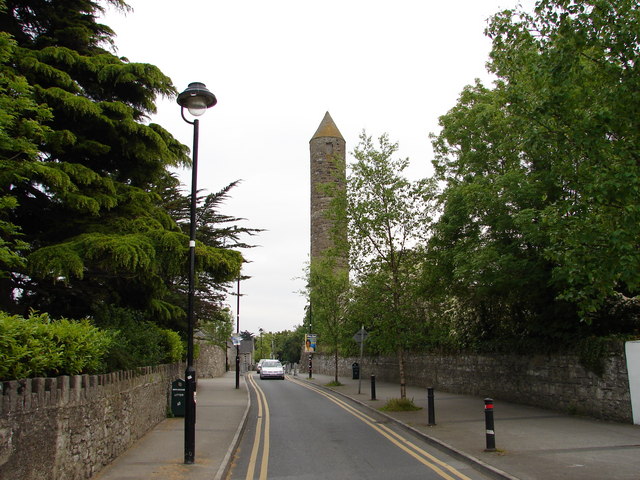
178, 390
355, 367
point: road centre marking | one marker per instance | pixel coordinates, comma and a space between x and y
263, 414
412, 449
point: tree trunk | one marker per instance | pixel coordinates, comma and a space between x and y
403, 383
336, 365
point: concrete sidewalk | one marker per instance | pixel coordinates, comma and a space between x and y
532, 443
221, 411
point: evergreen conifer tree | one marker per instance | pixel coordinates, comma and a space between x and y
81, 216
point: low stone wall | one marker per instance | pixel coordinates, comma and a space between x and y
550, 381
70, 427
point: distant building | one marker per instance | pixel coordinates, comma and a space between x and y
246, 355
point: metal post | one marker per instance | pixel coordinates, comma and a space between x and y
310, 365
488, 420
238, 346
373, 387
431, 407
361, 352
190, 405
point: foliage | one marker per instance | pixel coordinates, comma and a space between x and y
137, 342
582, 67
286, 345
214, 230
218, 330
387, 216
37, 346
21, 131
386, 213
292, 342
262, 345
539, 221
82, 173
173, 346
328, 290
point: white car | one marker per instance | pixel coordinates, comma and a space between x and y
271, 369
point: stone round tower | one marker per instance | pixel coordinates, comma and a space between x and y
327, 148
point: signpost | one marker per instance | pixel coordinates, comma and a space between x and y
360, 337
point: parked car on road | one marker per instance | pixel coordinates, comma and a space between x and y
271, 369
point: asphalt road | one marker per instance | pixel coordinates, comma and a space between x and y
298, 431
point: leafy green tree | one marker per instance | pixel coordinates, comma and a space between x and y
290, 345
387, 215
369, 307
541, 200
328, 294
262, 344
577, 84
86, 196
218, 330
486, 251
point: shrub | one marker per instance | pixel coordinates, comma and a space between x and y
173, 346
137, 342
39, 346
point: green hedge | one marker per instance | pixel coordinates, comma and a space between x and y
38, 346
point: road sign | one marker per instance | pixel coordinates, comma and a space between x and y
361, 336
236, 339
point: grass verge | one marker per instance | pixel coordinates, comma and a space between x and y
400, 405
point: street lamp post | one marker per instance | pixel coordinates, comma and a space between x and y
238, 346
196, 99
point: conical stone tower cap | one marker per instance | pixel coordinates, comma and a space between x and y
327, 128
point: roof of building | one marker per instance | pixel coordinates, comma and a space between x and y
327, 128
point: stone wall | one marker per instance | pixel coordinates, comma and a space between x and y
70, 427
555, 382
211, 361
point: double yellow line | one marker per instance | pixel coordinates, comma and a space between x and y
443, 469
263, 417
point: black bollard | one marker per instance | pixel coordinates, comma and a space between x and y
373, 387
431, 407
488, 420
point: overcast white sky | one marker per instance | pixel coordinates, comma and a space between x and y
276, 67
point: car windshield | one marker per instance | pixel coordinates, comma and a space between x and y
271, 363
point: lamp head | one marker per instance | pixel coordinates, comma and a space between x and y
196, 98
